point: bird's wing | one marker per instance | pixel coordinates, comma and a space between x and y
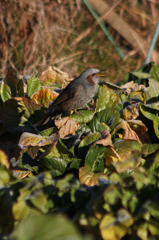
68, 93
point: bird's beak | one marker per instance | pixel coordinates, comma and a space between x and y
100, 73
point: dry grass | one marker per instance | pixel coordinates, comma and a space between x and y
35, 34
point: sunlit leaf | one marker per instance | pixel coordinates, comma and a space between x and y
62, 152
114, 228
5, 92
153, 89
105, 119
44, 97
131, 87
111, 156
39, 200
4, 176
154, 228
30, 139
150, 148
106, 99
138, 96
54, 75
156, 125
148, 111
67, 126
20, 208
88, 177
155, 72
33, 85
88, 140
112, 195
130, 112
141, 74
129, 164
84, 116
95, 158
122, 151
4, 159
142, 232
20, 173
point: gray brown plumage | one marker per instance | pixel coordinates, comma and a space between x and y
77, 94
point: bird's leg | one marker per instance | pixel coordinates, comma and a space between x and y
93, 107
78, 113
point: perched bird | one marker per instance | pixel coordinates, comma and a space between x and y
77, 94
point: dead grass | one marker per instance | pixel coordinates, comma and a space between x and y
35, 34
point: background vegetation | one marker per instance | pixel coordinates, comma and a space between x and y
35, 34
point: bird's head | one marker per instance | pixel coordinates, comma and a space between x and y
92, 75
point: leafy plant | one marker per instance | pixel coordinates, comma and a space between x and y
92, 175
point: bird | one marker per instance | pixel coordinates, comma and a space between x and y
77, 94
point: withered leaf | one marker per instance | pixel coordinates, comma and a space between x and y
130, 112
29, 139
128, 133
105, 139
54, 75
67, 126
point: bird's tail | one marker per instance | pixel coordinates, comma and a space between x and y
43, 121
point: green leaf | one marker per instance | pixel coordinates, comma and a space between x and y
17, 112
5, 176
89, 139
60, 151
156, 125
40, 201
107, 98
46, 227
148, 111
15, 85
149, 148
95, 158
33, 85
155, 72
153, 89
57, 166
140, 75
105, 119
5, 92
84, 116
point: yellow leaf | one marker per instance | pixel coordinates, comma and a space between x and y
130, 112
88, 177
110, 230
44, 97
29, 139
4, 159
114, 228
20, 173
111, 156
